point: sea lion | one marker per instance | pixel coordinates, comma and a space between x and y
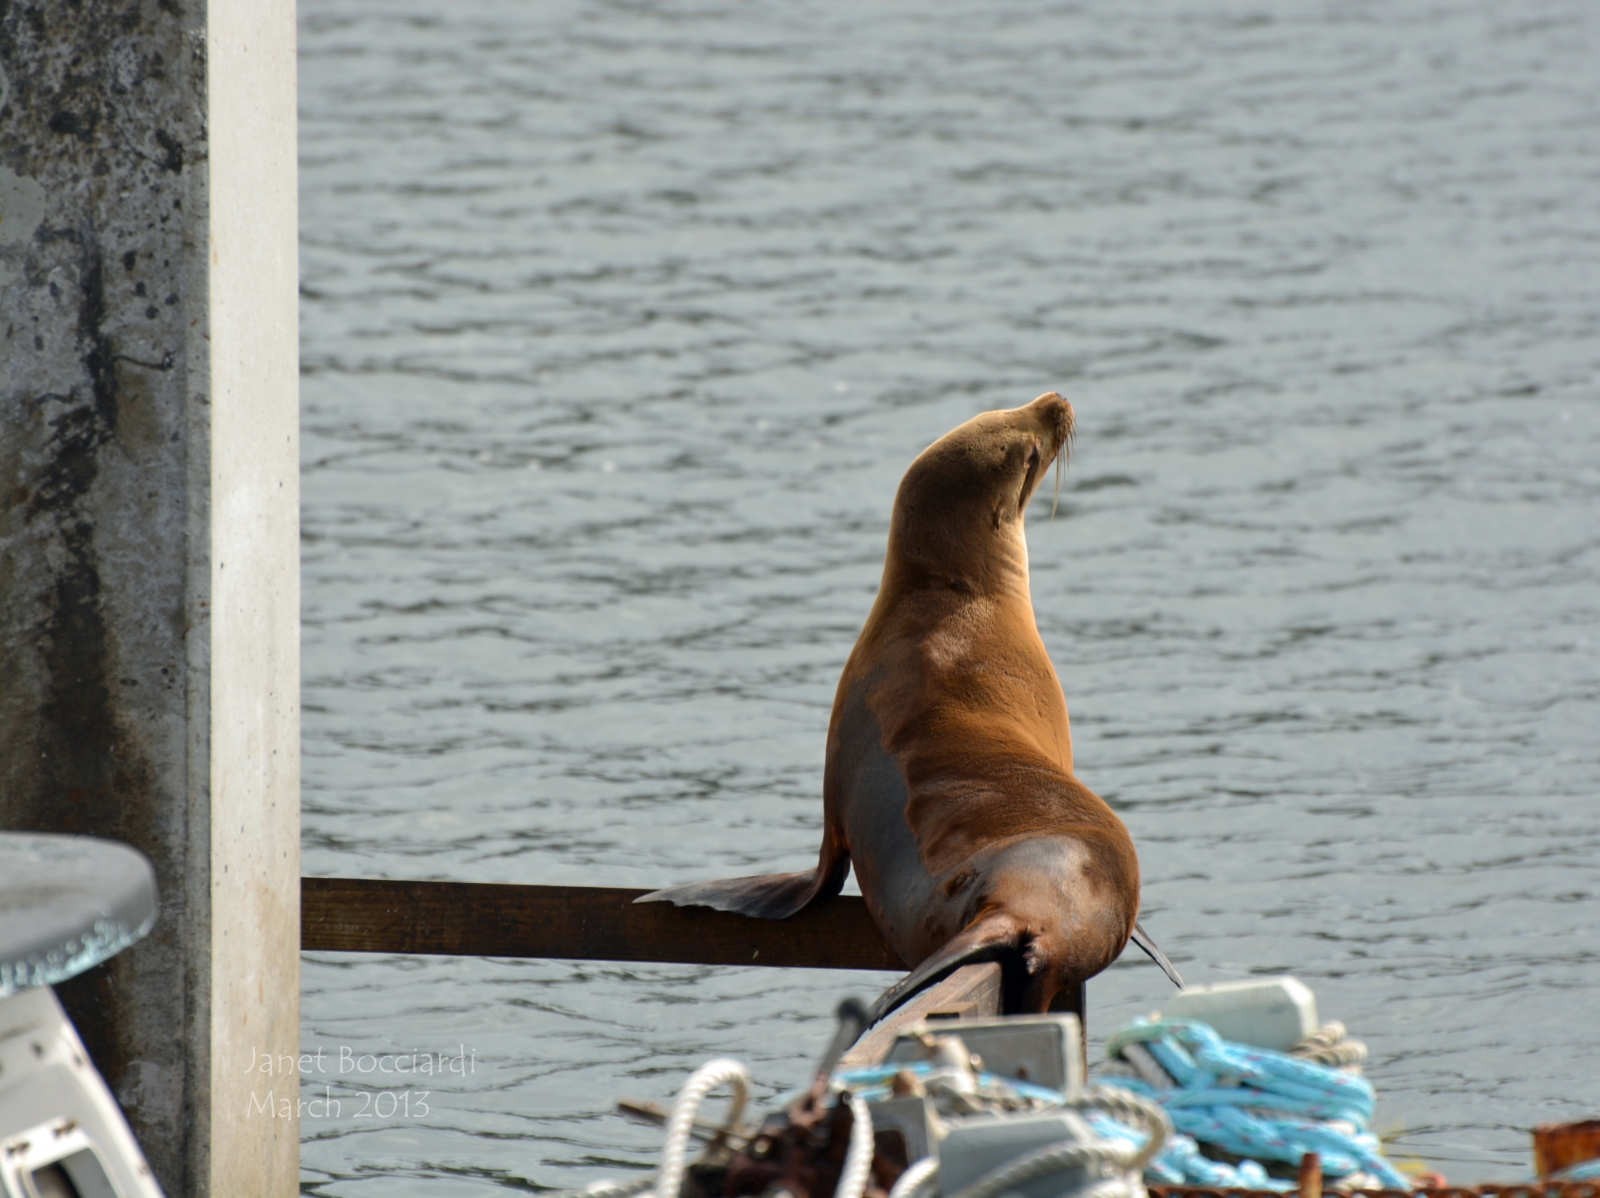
949, 778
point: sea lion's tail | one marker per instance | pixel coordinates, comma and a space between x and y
764, 896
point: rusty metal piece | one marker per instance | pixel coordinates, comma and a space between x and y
801, 1152
907, 1085
705, 1130
1557, 1146
1310, 1176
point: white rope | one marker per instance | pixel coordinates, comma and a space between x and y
921, 1179
1124, 1161
918, 1178
1102, 1158
1130, 1108
858, 1158
675, 1148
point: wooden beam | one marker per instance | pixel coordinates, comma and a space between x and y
585, 923
971, 992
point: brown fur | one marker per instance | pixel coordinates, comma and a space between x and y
949, 748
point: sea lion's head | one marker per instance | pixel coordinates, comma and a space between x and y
959, 512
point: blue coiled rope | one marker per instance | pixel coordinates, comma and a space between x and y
1251, 1102
1254, 1103
1180, 1162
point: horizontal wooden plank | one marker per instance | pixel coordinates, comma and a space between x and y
588, 923
971, 992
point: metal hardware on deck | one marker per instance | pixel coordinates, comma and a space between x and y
1042, 1050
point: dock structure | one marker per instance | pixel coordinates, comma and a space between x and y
149, 577
593, 923
149, 586
149, 534
603, 923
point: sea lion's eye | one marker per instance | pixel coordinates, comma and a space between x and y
1033, 458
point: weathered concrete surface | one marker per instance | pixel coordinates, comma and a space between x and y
147, 479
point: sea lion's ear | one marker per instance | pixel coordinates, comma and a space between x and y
990, 938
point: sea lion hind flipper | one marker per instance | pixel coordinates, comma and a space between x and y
989, 939
1142, 939
763, 896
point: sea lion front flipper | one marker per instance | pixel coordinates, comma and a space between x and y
763, 896
989, 939
1142, 939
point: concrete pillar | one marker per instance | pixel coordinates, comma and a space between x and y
149, 557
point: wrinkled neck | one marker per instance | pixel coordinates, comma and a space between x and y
980, 562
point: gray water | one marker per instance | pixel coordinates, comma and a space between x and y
621, 322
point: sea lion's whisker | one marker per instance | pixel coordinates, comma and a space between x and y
1062, 451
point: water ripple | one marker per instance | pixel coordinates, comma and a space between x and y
621, 321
